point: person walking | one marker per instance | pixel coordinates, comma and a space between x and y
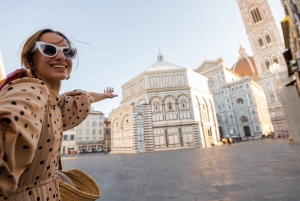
228, 140
33, 117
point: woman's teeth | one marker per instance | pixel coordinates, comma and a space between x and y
58, 66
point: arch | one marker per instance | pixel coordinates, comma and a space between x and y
267, 63
183, 101
126, 120
260, 40
139, 116
170, 102
116, 122
141, 101
183, 96
267, 37
244, 119
255, 14
169, 97
155, 98
156, 104
275, 59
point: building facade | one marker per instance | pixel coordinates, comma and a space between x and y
267, 48
86, 137
166, 107
290, 91
241, 106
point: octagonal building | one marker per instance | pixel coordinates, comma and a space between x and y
165, 107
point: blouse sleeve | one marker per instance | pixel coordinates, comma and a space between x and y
22, 109
75, 107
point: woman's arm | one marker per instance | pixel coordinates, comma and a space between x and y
108, 93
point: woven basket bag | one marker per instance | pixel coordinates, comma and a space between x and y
86, 189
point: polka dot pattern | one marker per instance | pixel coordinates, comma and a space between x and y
41, 117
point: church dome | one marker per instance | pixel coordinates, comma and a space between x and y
245, 65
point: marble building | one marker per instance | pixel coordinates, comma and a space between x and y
165, 107
240, 102
268, 60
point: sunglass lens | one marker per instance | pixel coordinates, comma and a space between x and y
69, 53
49, 50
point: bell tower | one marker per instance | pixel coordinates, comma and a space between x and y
267, 50
263, 35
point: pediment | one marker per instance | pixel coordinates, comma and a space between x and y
206, 65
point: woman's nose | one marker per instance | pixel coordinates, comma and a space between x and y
60, 55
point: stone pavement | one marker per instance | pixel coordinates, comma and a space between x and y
257, 170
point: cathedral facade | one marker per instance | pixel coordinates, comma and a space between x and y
268, 60
240, 102
166, 107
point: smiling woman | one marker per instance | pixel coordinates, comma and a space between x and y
33, 117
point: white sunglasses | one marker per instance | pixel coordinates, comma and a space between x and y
50, 50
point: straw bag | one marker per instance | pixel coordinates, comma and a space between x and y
86, 187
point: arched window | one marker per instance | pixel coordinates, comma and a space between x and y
156, 106
272, 98
275, 60
183, 104
261, 43
256, 15
169, 105
267, 63
268, 38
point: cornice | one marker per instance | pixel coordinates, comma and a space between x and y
164, 89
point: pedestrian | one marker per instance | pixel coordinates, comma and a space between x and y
228, 140
34, 116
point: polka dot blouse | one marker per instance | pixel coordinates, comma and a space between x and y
32, 120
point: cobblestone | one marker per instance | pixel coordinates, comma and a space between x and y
257, 170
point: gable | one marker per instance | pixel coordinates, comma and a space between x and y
206, 65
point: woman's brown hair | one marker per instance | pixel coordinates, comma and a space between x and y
27, 54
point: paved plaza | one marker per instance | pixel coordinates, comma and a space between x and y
257, 170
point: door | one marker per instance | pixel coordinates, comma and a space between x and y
247, 131
221, 132
207, 137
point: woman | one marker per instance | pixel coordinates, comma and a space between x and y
33, 117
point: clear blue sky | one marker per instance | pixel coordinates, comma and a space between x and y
124, 36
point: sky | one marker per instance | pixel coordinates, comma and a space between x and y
119, 39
